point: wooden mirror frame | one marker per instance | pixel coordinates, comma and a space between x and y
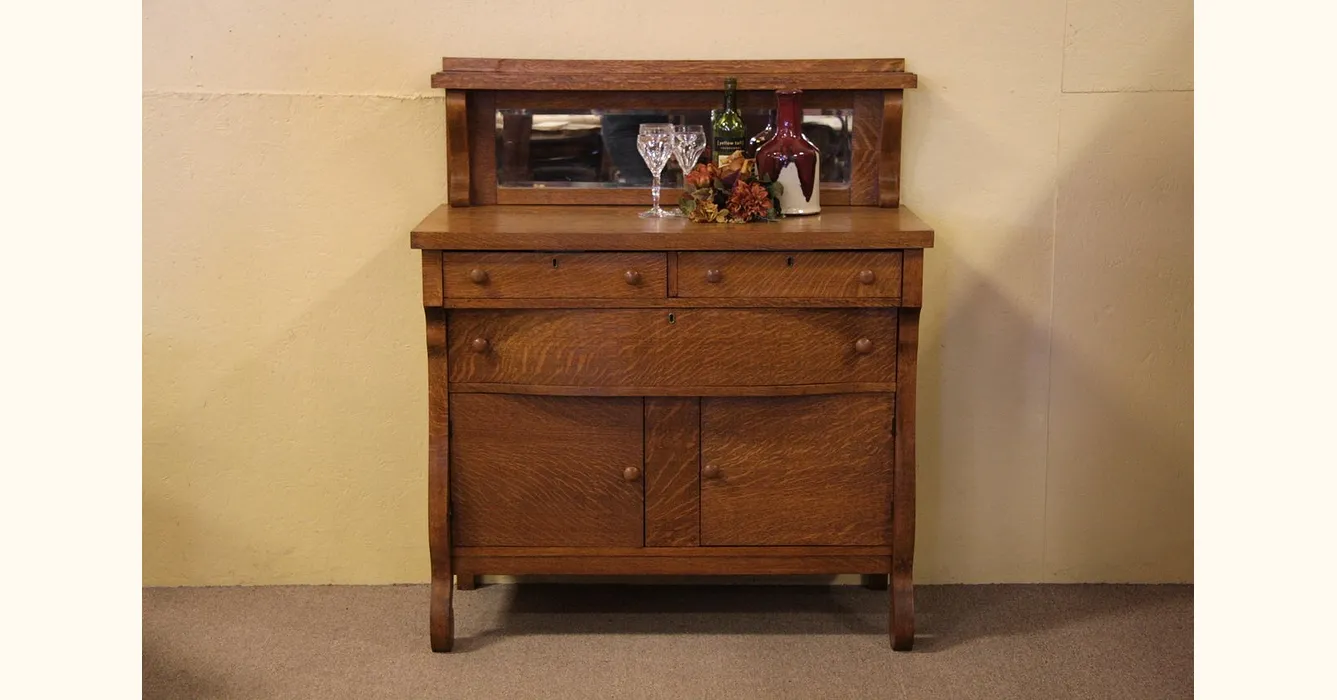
477, 87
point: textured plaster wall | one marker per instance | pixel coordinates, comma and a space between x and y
289, 148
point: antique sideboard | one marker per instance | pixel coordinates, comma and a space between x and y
614, 395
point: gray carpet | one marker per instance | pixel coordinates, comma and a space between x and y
625, 641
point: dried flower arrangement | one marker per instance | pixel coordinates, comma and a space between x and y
730, 193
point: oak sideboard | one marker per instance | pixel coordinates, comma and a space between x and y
611, 395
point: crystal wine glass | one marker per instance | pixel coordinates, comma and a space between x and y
688, 142
655, 143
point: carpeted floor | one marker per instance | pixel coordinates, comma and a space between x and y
690, 642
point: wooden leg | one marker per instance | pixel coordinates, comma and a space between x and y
466, 582
442, 614
902, 623
875, 582
902, 613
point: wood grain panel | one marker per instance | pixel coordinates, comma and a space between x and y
791, 471
432, 291
535, 471
912, 279
684, 347
672, 468
442, 615
482, 148
457, 149
889, 166
864, 148
577, 228
555, 275
621, 565
790, 274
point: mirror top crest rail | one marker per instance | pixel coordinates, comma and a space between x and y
477, 87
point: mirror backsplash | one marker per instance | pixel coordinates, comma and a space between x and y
597, 148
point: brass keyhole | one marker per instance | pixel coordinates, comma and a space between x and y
554, 262
789, 261
672, 318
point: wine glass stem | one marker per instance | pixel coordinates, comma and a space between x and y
654, 191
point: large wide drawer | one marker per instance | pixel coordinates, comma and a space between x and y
555, 275
813, 275
672, 347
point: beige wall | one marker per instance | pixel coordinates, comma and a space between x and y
289, 147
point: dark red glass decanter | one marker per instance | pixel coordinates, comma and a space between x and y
790, 158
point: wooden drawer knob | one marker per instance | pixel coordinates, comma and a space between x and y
863, 346
633, 277
478, 276
631, 474
479, 345
714, 276
867, 277
710, 471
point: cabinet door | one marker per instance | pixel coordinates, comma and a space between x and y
546, 471
811, 470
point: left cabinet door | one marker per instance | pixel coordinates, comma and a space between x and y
547, 471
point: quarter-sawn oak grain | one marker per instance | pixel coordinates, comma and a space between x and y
672, 464
538, 471
645, 347
791, 274
555, 275
796, 471
608, 228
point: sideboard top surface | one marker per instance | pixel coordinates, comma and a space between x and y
610, 228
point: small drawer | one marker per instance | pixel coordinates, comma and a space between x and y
555, 275
672, 347
797, 275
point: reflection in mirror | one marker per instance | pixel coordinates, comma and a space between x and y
597, 148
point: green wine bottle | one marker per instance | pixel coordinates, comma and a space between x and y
726, 125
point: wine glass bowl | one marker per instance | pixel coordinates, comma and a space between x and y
655, 144
688, 143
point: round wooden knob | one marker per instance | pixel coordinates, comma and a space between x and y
710, 471
633, 277
631, 474
478, 276
479, 345
713, 276
867, 277
863, 346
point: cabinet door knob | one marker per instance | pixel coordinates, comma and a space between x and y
478, 276
631, 474
710, 471
479, 345
713, 276
633, 277
863, 346
867, 277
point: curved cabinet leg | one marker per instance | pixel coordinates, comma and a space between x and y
443, 616
875, 582
902, 613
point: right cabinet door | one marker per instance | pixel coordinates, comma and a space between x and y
807, 470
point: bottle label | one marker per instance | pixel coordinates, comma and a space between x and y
725, 148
